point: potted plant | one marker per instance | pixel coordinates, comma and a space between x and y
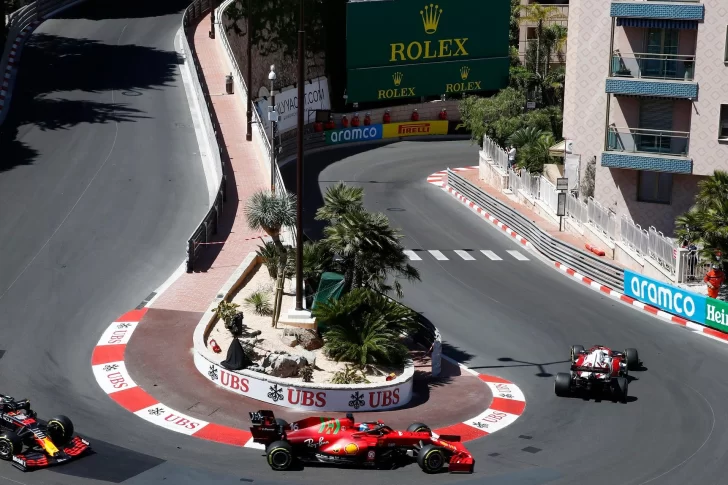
233, 319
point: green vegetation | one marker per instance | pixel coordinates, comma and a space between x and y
226, 312
260, 303
504, 117
707, 221
350, 375
271, 213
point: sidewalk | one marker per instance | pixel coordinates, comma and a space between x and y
193, 292
547, 226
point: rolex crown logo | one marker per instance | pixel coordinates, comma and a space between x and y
464, 72
397, 77
431, 17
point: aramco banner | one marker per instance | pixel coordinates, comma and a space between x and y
670, 299
410, 48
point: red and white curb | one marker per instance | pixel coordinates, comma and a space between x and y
439, 179
13, 59
110, 372
475, 208
668, 317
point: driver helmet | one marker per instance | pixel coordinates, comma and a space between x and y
363, 427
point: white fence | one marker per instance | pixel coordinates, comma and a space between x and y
494, 152
633, 236
576, 209
548, 194
602, 219
662, 249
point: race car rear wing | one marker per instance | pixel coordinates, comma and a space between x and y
258, 417
597, 370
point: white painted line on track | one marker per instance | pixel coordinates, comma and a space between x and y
517, 255
464, 254
412, 255
438, 255
491, 255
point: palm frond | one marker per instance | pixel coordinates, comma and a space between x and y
270, 212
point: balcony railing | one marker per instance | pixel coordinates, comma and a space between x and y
641, 140
653, 66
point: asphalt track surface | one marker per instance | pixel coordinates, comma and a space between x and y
102, 183
517, 319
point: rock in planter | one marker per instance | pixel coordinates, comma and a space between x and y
284, 365
257, 368
309, 340
310, 357
290, 341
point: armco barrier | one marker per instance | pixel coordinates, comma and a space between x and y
208, 226
549, 246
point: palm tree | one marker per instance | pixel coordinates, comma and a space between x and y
707, 221
525, 136
365, 328
370, 250
271, 212
536, 154
340, 199
538, 14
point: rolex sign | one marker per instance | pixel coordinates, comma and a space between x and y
406, 49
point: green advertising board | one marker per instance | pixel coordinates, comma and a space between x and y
411, 48
716, 314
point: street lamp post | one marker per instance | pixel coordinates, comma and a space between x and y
249, 80
273, 119
299, 164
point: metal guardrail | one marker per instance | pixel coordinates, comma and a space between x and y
552, 248
209, 225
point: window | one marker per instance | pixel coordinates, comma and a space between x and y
723, 123
531, 33
654, 187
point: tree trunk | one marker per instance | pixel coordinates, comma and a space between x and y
278, 298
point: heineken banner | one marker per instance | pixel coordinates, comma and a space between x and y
716, 314
410, 48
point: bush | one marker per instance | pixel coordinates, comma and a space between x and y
365, 328
260, 303
269, 257
349, 375
226, 311
307, 373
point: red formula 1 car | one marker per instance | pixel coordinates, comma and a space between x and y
31, 443
599, 369
346, 442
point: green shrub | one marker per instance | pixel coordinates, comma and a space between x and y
350, 375
260, 303
307, 373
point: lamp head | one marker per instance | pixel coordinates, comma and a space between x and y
272, 73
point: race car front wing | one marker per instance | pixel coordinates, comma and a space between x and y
41, 459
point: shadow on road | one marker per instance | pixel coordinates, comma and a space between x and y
522, 363
64, 82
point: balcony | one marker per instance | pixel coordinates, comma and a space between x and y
666, 10
643, 149
652, 66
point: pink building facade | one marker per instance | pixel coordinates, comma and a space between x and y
646, 100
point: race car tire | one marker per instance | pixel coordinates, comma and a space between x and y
431, 459
622, 387
60, 430
633, 359
576, 350
562, 384
419, 428
10, 444
280, 455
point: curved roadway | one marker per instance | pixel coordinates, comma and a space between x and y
517, 319
100, 180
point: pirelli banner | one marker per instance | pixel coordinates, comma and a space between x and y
400, 49
415, 128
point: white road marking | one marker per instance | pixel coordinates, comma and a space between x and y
491, 255
465, 255
518, 255
412, 255
438, 255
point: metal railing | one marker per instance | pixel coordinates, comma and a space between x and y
692, 267
495, 153
553, 248
576, 210
662, 249
640, 65
601, 218
548, 194
523, 181
633, 236
643, 140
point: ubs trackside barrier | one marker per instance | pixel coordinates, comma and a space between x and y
554, 249
208, 226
